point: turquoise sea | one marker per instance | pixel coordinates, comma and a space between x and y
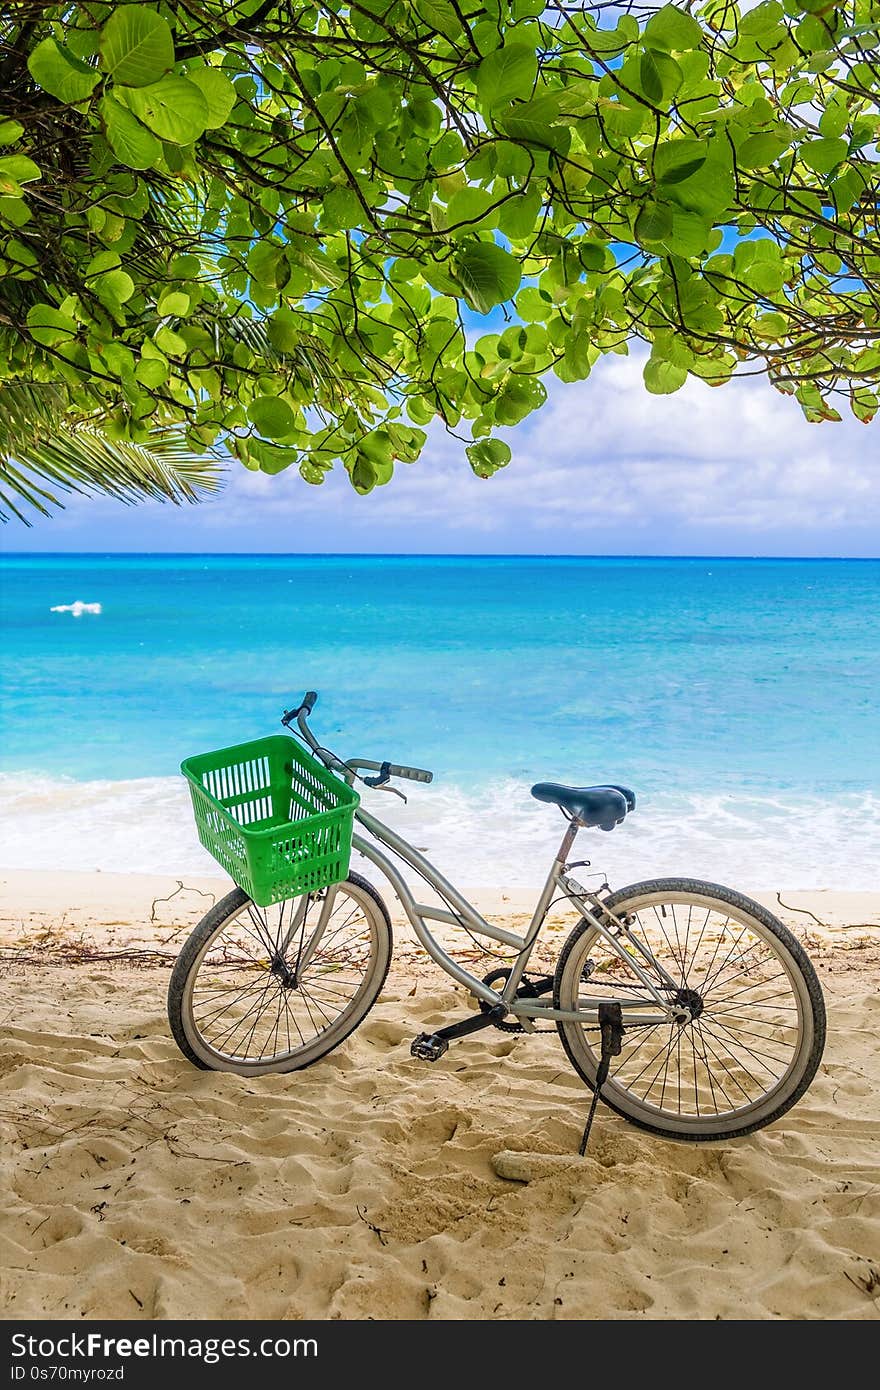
738, 697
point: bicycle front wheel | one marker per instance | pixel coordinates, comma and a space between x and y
273, 989
757, 1026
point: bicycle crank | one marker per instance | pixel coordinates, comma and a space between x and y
430, 1047
529, 989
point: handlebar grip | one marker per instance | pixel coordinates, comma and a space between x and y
415, 774
309, 700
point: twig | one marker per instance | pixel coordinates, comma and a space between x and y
181, 888
76, 953
377, 1230
805, 910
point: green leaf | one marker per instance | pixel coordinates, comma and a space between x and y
835, 120
592, 255
518, 397
673, 29
152, 372
711, 191
467, 209
136, 46
519, 216
115, 288
15, 211
773, 326
487, 274
274, 459
534, 122
10, 131
420, 410
219, 93
690, 234
174, 303
823, 155
507, 73
60, 73
170, 342
441, 15
760, 151
578, 357
526, 130
266, 264
105, 278
653, 222
762, 19
135, 146
759, 265
373, 465
50, 326
663, 378
678, 160
272, 417
284, 330
342, 209
487, 456
16, 169
649, 76
173, 108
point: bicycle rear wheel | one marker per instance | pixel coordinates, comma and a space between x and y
273, 989
757, 1033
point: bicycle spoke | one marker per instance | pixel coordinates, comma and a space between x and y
742, 1037
724, 1043
239, 1023
729, 1040
749, 1033
251, 987
248, 1003
708, 986
709, 980
730, 1104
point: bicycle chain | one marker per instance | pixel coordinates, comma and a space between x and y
495, 977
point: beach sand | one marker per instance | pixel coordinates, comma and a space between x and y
373, 1186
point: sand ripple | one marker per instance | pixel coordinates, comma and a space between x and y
371, 1186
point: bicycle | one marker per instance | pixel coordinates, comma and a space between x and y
691, 1008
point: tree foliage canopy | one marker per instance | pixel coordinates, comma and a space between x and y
272, 224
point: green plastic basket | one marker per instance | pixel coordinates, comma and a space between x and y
277, 821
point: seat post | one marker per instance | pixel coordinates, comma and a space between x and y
547, 892
568, 840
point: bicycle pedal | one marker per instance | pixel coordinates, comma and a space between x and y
428, 1047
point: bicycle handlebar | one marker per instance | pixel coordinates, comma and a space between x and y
307, 704
414, 774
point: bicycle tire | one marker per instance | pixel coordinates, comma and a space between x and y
788, 952
198, 1050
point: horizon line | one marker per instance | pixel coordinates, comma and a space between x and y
412, 555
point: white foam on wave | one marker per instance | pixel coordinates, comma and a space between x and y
495, 837
77, 608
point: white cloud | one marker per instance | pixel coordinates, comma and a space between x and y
603, 468
606, 452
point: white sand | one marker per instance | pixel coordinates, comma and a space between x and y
371, 1185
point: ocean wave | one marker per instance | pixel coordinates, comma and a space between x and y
495, 837
77, 608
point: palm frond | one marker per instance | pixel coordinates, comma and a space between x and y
309, 357
42, 452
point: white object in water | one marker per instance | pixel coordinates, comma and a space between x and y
77, 608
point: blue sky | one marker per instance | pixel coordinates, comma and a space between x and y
604, 468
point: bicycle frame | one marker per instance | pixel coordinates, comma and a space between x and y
464, 914
558, 882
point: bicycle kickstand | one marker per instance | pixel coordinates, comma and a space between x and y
611, 1024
